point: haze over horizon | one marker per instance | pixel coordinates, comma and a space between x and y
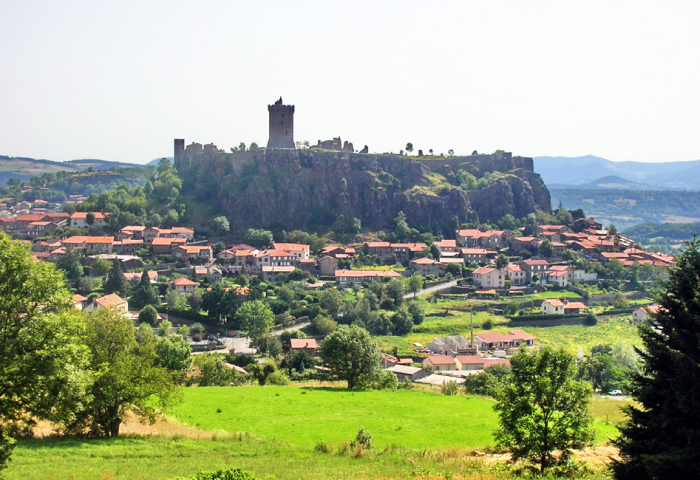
119, 82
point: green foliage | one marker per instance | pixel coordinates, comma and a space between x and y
331, 300
544, 409
144, 293
125, 374
415, 283
148, 315
591, 319
323, 325
364, 439
69, 262
546, 249
386, 380
41, 360
174, 353
258, 238
221, 225
212, 371
229, 474
255, 318
116, 281
352, 355
660, 438
449, 388
482, 384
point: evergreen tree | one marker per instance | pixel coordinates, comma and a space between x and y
116, 281
661, 439
144, 294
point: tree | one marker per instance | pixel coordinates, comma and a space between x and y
415, 283
331, 301
69, 262
568, 256
660, 439
351, 355
450, 152
148, 315
546, 249
258, 238
116, 281
100, 267
402, 321
544, 409
126, 376
41, 360
612, 229
221, 225
144, 294
256, 319
395, 290
401, 226
174, 353
409, 147
90, 218
502, 261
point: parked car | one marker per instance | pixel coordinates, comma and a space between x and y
615, 393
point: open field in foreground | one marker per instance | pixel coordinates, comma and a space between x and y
415, 433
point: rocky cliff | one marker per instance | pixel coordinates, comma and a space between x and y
298, 188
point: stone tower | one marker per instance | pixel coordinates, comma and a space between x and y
281, 125
179, 151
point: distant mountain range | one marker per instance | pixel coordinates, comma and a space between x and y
590, 172
24, 168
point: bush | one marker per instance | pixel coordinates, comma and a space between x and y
386, 381
450, 388
364, 439
488, 324
591, 319
230, 474
481, 384
323, 447
278, 377
148, 315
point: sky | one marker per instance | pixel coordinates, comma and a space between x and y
120, 80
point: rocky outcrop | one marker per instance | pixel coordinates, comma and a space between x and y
292, 189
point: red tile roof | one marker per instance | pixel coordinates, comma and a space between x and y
299, 343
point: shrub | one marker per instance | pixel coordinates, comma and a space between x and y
148, 315
278, 377
591, 319
450, 388
488, 324
363, 439
322, 447
230, 474
386, 381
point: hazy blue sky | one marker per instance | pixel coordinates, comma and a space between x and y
119, 80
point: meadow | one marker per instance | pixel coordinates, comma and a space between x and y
273, 431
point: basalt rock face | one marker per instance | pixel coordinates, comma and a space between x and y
294, 189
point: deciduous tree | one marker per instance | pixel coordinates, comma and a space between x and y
352, 355
544, 409
256, 319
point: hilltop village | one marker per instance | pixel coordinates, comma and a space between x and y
549, 268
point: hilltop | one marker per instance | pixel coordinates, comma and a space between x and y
292, 189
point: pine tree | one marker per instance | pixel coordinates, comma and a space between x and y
661, 439
144, 294
116, 281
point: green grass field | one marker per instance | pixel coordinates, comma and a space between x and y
414, 433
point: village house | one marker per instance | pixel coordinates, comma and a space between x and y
490, 239
89, 244
307, 345
127, 246
439, 363
582, 276
126, 262
131, 232
531, 267
270, 273
346, 278
447, 245
192, 252
184, 285
301, 251
515, 274
275, 258
487, 277
109, 301
498, 341
79, 219
643, 313
553, 306
380, 249
428, 266
475, 362
405, 251
328, 265
163, 246
135, 277
476, 255
529, 244
79, 302
451, 345
337, 252
560, 275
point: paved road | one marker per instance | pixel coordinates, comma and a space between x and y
291, 329
436, 288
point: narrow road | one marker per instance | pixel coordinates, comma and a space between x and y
291, 329
436, 288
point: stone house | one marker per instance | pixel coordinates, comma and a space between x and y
79, 219
554, 306
300, 250
271, 273
347, 278
184, 285
428, 266
476, 255
328, 265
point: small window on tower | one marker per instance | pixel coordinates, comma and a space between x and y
286, 132
281, 123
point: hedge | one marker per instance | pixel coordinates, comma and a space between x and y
541, 316
186, 314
